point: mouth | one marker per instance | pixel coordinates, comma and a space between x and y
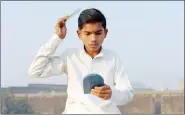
93, 45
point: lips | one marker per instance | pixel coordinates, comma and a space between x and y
93, 45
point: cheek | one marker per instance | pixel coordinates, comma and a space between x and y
103, 35
84, 39
101, 38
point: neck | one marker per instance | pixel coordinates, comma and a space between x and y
93, 54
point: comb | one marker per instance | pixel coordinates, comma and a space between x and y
73, 13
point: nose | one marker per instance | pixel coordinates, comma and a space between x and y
93, 38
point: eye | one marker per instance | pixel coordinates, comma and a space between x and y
98, 33
87, 34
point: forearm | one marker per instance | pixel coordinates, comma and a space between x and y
121, 97
122, 91
44, 58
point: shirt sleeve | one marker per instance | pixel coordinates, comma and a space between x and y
122, 91
45, 64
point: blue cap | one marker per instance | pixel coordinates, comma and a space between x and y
92, 80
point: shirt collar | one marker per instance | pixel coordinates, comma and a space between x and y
101, 53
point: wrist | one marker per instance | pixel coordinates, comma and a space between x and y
55, 40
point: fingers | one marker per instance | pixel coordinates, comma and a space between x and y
106, 87
103, 96
60, 27
105, 91
62, 21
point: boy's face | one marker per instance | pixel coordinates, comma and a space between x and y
92, 36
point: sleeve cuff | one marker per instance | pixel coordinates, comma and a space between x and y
54, 42
126, 96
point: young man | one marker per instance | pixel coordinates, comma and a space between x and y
77, 63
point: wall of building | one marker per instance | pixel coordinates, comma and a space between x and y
143, 103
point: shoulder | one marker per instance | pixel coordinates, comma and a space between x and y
70, 52
110, 53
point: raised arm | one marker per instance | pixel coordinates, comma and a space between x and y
45, 64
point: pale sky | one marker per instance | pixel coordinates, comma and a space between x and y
147, 35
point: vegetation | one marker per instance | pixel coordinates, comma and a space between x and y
14, 105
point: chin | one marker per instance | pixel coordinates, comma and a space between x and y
94, 49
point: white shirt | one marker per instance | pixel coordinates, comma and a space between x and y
76, 63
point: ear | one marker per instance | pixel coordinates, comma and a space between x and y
106, 31
78, 33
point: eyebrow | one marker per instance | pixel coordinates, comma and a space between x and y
91, 32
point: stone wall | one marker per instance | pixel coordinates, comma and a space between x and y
142, 103
172, 104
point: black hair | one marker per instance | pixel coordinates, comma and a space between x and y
91, 16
